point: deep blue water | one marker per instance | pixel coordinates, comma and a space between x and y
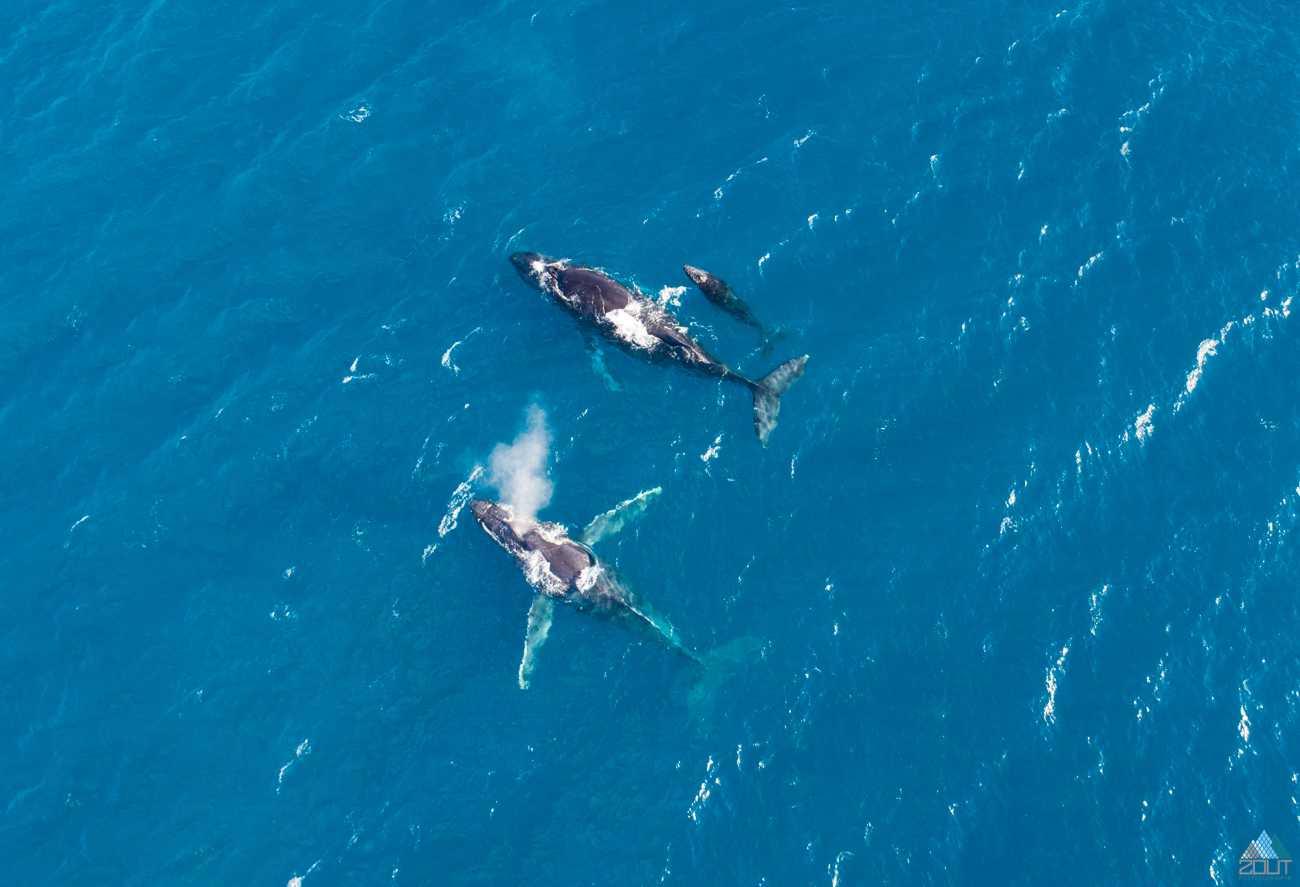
1021, 552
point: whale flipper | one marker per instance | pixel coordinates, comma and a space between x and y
768, 391
539, 626
598, 364
618, 517
768, 337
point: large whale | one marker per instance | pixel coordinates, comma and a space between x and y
720, 293
560, 568
643, 327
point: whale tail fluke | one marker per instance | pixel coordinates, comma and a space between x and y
769, 336
713, 671
768, 391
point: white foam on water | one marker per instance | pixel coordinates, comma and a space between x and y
1142, 425
630, 328
446, 359
458, 500
1094, 607
712, 452
303, 750
671, 295
702, 796
1204, 352
1049, 711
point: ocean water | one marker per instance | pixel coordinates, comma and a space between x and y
1021, 552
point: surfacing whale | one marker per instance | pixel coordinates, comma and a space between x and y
723, 297
566, 570
643, 327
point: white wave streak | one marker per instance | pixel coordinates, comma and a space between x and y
702, 796
1049, 711
1207, 349
446, 355
518, 471
1142, 425
446, 359
303, 749
457, 502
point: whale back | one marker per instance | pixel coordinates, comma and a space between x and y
567, 559
592, 292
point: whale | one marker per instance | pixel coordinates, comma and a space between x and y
562, 569
643, 327
723, 297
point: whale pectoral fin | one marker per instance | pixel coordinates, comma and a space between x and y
769, 337
598, 363
539, 626
605, 525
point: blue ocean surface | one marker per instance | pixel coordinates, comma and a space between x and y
1020, 555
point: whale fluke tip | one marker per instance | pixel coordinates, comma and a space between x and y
767, 395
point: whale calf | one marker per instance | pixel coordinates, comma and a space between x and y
643, 327
720, 293
566, 570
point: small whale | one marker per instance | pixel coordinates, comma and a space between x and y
723, 297
643, 327
568, 571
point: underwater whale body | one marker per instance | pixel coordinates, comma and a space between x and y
644, 328
723, 297
560, 568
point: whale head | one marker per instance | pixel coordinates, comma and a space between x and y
495, 519
534, 268
698, 277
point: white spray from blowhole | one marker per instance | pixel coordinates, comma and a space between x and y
518, 470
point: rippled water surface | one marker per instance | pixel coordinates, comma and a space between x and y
1020, 554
